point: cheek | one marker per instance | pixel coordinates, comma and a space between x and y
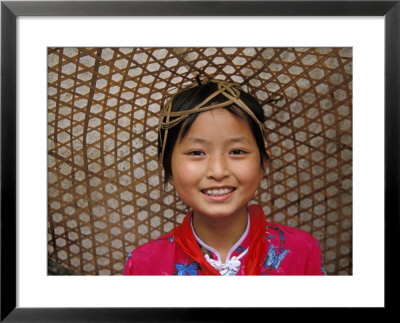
251, 174
185, 174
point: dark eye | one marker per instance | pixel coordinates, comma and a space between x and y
237, 152
195, 153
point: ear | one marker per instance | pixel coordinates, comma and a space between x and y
261, 174
265, 164
262, 170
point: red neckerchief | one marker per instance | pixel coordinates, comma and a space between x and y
184, 237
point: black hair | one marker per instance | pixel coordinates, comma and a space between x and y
190, 98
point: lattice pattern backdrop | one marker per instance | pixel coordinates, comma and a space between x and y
105, 186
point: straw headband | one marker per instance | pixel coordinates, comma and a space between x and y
169, 119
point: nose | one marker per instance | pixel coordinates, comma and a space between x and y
217, 167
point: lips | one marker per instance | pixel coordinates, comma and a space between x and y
218, 191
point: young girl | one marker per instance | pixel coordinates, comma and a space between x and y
211, 145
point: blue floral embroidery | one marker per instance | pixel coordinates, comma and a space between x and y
171, 239
323, 269
281, 234
183, 269
127, 258
240, 249
274, 259
270, 236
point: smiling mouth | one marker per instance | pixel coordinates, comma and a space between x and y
218, 191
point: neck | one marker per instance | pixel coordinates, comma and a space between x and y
220, 233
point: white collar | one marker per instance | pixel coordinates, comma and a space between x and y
232, 265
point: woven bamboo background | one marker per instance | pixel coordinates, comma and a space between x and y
105, 186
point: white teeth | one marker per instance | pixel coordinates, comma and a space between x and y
220, 191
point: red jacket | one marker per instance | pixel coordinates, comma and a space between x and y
264, 249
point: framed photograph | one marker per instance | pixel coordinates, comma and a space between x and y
82, 86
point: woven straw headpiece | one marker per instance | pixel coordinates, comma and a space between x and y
230, 91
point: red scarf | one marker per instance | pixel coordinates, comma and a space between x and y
186, 240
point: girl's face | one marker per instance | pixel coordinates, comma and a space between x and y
216, 166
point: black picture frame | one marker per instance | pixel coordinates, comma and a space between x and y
10, 10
